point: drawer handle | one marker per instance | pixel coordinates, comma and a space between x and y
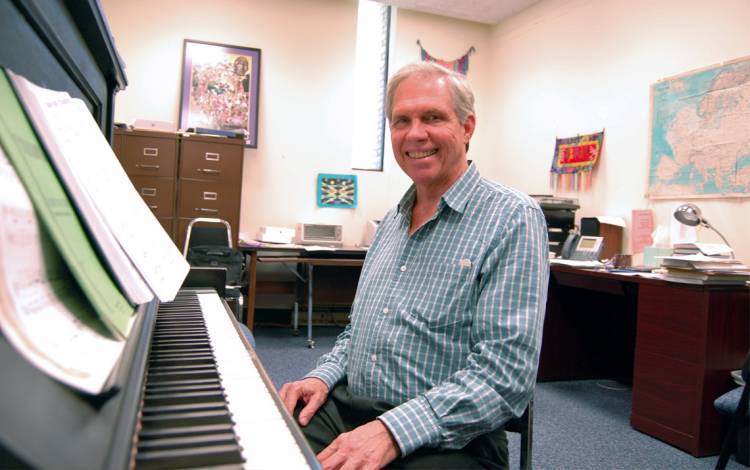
209, 196
150, 152
209, 171
149, 192
206, 209
153, 207
212, 157
147, 166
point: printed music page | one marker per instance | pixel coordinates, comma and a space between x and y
57, 215
97, 172
127, 276
43, 312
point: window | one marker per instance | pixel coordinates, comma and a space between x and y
371, 73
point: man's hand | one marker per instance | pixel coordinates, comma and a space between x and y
313, 393
370, 446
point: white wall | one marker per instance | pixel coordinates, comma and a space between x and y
306, 92
567, 67
561, 68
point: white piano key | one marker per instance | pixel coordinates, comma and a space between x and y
267, 442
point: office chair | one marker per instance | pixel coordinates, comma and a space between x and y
524, 425
736, 439
208, 243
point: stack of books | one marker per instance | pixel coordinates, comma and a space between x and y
702, 269
714, 250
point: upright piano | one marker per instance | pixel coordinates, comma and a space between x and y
188, 390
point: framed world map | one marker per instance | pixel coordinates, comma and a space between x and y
700, 133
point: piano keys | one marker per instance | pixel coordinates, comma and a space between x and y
207, 401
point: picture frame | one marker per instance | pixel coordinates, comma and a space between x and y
220, 89
338, 191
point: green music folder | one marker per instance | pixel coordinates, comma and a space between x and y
57, 214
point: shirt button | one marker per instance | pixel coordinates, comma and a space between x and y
374, 358
403, 268
386, 311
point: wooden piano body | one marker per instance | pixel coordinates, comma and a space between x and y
66, 45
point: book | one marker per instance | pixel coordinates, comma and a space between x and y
57, 214
707, 249
216, 132
741, 275
67, 128
702, 262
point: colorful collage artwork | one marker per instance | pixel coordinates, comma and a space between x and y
337, 191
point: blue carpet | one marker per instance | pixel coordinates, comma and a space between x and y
577, 425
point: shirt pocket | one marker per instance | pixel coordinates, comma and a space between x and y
440, 300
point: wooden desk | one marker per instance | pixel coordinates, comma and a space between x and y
341, 257
676, 342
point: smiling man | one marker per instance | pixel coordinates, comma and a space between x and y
443, 343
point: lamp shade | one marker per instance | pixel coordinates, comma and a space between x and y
689, 214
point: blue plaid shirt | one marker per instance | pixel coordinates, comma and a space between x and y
447, 323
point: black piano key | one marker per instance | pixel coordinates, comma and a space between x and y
189, 458
189, 418
164, 399
225, 438
187, 383
208, 405
177, 431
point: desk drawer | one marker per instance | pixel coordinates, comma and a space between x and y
157, 193
149, 156
672, 323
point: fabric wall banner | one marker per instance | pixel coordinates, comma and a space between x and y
574, 160
460, 65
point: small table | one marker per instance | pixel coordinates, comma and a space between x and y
298, 255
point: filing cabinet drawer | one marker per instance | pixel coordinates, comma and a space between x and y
208, 199
157, 193
211, 161
149, 156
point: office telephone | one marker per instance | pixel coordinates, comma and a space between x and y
582, 247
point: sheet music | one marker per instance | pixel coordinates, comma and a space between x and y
43, 312
97, 172
128, 278
57, 214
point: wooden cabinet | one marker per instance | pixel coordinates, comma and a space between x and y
687, 342
184, 176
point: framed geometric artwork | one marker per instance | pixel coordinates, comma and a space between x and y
337, 191
220, 89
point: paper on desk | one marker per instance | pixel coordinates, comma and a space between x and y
97, 172
43, 313
577, 264
122, 269
318, 248
56, 213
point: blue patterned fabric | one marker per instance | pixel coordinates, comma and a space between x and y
447, 323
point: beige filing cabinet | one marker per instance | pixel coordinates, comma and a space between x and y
184, 176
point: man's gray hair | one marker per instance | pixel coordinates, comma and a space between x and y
463, 97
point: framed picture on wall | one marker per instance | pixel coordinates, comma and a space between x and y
220, 89
337, 191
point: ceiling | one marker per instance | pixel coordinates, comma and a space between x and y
481, 11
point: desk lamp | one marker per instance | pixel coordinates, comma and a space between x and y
690, 215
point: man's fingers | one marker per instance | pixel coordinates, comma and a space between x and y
311, 407
289, 395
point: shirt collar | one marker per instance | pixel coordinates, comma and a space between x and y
456, 197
